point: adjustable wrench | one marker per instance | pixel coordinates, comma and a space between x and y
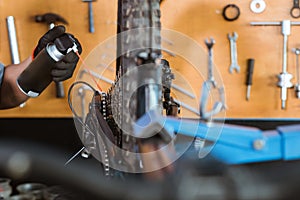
233, 53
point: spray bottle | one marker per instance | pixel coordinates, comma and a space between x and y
37, 76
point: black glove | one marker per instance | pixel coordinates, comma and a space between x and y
65, 68
48, 37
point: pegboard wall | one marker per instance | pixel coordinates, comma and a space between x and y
29, 32
196, 19
203, 19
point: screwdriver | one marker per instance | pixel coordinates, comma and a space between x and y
250, 69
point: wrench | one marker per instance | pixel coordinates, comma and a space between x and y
219, 105
210, 77
295, 10
233, 53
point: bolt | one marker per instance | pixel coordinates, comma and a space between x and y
259, 144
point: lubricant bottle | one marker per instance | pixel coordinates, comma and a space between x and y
37, 76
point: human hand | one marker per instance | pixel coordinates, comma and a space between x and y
48, 37
64, 69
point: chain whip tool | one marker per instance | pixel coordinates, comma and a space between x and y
207, 87
297, 85
233, 53
284, 78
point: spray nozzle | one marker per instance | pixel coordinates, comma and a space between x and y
65, 44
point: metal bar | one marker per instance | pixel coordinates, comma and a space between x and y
284, 58
13, 43
271, 23
74, 156
94, 74
176, 87
15, 58
91, 18
188, 107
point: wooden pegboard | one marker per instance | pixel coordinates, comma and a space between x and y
28, 33
203, 19
196, 19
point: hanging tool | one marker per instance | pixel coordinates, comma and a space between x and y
257, 6
284, 78
250, 68
210, 76
295, 10
51, 19
207, 87
91, 15
297, 85
13, 43
12, 36
233, 53
232, 7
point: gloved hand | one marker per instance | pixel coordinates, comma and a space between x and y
65, 68
48, 37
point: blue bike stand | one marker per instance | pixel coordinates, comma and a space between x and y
236, 144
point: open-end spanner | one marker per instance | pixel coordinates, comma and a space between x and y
210, 76
233, 53
207, 87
